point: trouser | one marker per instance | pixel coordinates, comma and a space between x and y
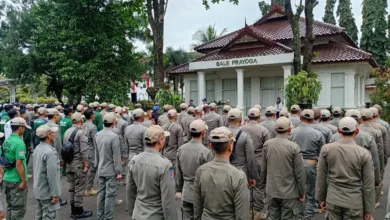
45, 210
64, 169
283, 209
173, 174
91, 176
77, 186
106, 197
259, 199
16, 201
339, 213
310, 208
187, 210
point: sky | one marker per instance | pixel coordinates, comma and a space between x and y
185, 17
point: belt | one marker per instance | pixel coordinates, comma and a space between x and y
311, 162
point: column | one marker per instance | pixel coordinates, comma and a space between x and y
287, 72
12, 94
240, 90
349, 90
218, 93
201, 87
255, 91
359, 90
363, 92
324, 100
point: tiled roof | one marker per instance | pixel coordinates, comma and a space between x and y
183, 68
336, 52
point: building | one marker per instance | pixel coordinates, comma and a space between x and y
249, 66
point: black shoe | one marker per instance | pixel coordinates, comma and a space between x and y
72, 212
63, 202
81, 213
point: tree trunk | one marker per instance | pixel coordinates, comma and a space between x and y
310, 37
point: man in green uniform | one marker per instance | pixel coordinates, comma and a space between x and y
66, 122
5, 118
98, 117
15, 176
42, 111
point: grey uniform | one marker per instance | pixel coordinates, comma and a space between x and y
134, 139
213, 120
190, 156
385, 137
295, 120
47, 184
243, 155
163, 119
377, 135
283, 174
122, 125
147, 123
108, 159
335, 122
259, 135
180, 117
221, 192
150, 189
103, 112
345, 180
75, 169
57, 137
310, 141
325, 131
332, 128
269, 123
225, 120
90, 131
186, 127
387, 126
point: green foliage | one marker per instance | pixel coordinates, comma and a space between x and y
207, 5
175, 57
146, 103
167, 97
329, 12
264, 6
381, 94
44, 100
346, 19
205, 35
302, 89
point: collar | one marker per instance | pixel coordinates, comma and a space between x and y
315, 122
281, 136
220, 159
253, 122
152, 151
365, 125
343, 141
14, 135
269, 119
68, 117
233, 127
194, 141
77, 126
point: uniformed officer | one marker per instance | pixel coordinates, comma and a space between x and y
130, 119
174, 141
111, 108
121, 125
42, 111
90, 131
337, 115
325, 131
98, 117
206, 110
198, 113
186, 124
108, 160
310, 141
46, 165
212, 119
104, 109
148, 118
284, 113
345, 178
135, 134
325, 118
379, 120
77, 169
149, 180
5, 117
225, 110
66, 122
15, 177
222, 196
382, 129
190, 156
283, 174
84, 103
295, 115
7, 127
269, 121
163, 119
30, 113
259, 135
183, 114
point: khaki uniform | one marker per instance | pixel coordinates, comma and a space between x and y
345, 180
295, 120
121, 126
259, 135
377, 135
108, 160
75, 169
163, 119
103, 112
150, 189
283, 174
134, 139
180, 117
186, 128
385, 137
310, 141
147, 123
270, 125
190, 156
47, 184
90, 131
324, 130
332, 128
57, 138
335, 122
387, 126
225, 120
213, 120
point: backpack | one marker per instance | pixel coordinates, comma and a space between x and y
234, 145
67, 151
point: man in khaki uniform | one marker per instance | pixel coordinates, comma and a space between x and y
345, 178
213, 120
325, 118
163, 119
283, 174
381, 121
259, 135
226, 110
186, 124
90, 131
382, 129
269, 121
149, 180
190, 156
222, 196
295, 115
337, 115
322, 128
183, 114
77, 170
104, 109
135, 134
121, 125
198, 113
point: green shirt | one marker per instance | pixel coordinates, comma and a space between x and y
65, 124
14, 149
98, 120
4, 120
37, 123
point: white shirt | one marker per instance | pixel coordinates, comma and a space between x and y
7, 129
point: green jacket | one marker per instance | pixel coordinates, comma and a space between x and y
4, 120
65, 124
98, 120
37, 123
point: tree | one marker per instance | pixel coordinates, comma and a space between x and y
205, 35
264, 6
309, 36
346, 19
329, 12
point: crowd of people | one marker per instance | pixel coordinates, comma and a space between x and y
285, 165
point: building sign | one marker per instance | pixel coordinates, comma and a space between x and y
237, 62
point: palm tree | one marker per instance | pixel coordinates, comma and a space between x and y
205, 35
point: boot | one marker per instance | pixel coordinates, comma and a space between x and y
63, 202
72, 211
81, 213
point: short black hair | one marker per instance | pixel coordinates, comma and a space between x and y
8, 107
280, 132
12, 113
15, 127
220, 147
88, 113
347, 134
226, 111
42, 139
336, 115
151, 144
324, 119
50, 116
36, 109
49, 106
306, 119
195, 135
22, 111
253, 117
107, 125
269, 114
67, 111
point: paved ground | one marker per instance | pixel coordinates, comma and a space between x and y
120, 213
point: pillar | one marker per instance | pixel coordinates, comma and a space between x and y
363, 91
201, 87
287, 72
349, 90
359, 92
255, 91
240, 91
12, 94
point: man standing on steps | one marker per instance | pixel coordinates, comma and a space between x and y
90, 131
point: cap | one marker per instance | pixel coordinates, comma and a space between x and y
295, 108
308, 114
191, 109
317, 112
52, 111
347, 124
183, 106
257, 106
156, 107
284, 113
138, 112
104, 104
118, 110
59, 107
270, 110
111, 106
42, 110
234, 113
80, 108
76, 117
254, 112
337, 111
138, 105
213, 105
367, 114
154, 133
282, 124
109, 117
92, 105
28, 106
20, 122
325, 113
206, 106
374, 111
83, 102
166, 107
172, 113
221, 135
198, 109
226, 108
378, 107
198, 126
354, 113
204, 100
45, 130
97, 104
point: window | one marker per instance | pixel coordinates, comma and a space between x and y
247, 94
229, 91
210, 91
337, 89
194, 91
271, 88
